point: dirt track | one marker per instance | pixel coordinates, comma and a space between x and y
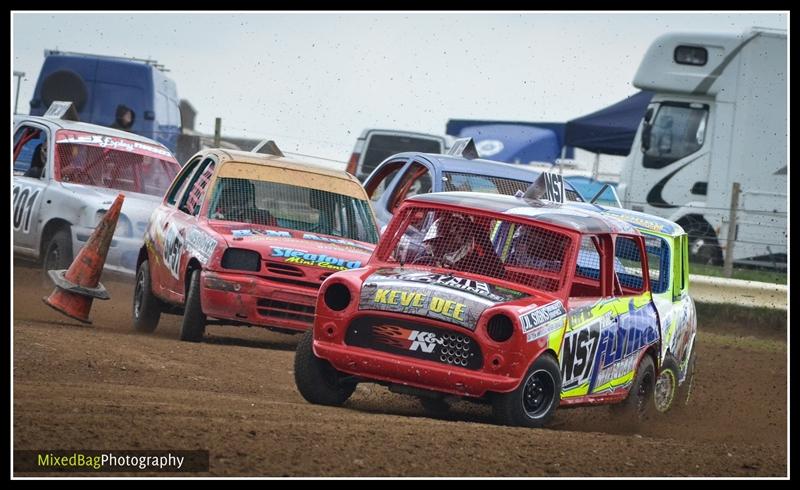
107, 387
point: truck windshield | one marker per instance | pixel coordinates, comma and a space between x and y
294, 207
525, 254
114, 163
675, 131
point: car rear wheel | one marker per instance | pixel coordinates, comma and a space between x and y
666, 388
194, 320
535, 400
317, 381
146, 307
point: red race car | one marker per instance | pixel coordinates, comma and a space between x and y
246, 239
515, 300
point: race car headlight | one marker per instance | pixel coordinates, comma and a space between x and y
337, 297
241, 259
500, 328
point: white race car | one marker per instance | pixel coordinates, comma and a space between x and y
67, 174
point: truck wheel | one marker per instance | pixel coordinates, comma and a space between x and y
194, 320
146, 307
316, 379
639, 403
536, 398
57, 251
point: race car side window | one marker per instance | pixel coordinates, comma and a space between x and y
380, 182
629, 265
181, 181
416, 180
193, 197
30, 152
588, 269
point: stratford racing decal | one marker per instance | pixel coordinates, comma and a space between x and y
173, 246
24, 201
302, 257
200, 244
543, 320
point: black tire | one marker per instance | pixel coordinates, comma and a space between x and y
435, 407
194, 320
57, 252
640, 403
146, 307
536, 398
665, 392
317, 381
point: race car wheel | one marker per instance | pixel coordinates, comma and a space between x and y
194, 321
535, 400
316, 379
637, 406
146, 307
435, 407
666, 387
57, 252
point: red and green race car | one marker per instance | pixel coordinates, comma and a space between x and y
519, 301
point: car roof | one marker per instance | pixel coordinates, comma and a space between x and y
579, 219
285, 162
479, 166
89, 128
641, 221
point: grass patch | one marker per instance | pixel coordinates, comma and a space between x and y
760, 275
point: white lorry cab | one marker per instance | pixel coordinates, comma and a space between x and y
718, 117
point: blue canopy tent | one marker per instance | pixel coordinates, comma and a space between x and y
511, 141
610, 130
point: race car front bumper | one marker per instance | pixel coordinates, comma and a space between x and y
257, 301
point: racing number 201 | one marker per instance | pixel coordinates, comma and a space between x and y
24, 200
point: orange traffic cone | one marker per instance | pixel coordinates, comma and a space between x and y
77, 287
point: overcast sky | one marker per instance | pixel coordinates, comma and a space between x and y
313, 82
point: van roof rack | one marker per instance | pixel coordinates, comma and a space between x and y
147, 61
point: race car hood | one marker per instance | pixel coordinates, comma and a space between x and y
291, 247
136, 207
446, 297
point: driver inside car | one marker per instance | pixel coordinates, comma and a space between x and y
458, 243
237, 202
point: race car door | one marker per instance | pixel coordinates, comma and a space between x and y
32, 169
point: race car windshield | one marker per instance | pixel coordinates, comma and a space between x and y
524, 254
113, 168
293, 207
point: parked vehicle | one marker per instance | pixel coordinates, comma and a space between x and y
98, 85
718, 116
245, 238
517, 301
376, 145
66, 175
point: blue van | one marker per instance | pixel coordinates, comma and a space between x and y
98, 84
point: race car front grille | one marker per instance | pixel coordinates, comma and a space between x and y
288, 270
415, 340
285, 310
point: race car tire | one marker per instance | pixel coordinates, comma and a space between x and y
640, 401
435, 407
146, 307
666, 388
317, 381
194, 320
57, 251
535, 400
